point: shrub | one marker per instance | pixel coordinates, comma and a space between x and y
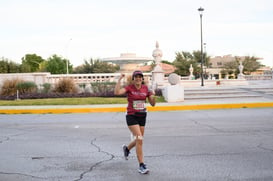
103, 88
46, 88
65, 85
158, 92
26, 87
9, 87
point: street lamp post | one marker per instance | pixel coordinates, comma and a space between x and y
202, 56
66, 49
67, 71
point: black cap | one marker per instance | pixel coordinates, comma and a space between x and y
137, 72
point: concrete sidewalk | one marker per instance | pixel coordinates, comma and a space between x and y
231, 103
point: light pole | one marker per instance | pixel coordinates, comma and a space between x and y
202, 57
66, 49
67, 71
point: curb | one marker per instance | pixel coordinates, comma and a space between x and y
123, 109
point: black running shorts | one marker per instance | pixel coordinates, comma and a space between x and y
135, 120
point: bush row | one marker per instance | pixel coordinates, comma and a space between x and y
54, 95
19, 89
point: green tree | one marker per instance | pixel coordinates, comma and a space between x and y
57, 65
182, 62
8, 66
96, 66
162, 61
197, 57
84, 68
166, 62
31, 63
230, 67
251, 64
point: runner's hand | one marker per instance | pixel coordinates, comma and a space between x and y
121, 76
153, 92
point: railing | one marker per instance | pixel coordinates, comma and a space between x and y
41, 78
258, 77
84, 78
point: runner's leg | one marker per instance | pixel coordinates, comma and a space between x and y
138, 135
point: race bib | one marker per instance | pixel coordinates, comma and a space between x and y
139, 105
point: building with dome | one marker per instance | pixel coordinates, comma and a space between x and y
128, 62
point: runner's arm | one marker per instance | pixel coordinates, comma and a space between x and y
118, 90
151, 99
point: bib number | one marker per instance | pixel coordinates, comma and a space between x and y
139, 105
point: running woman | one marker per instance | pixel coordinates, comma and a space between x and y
137, 93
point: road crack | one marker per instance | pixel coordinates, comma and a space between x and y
260, 146
207, 125
196, 155
111, 157
21, 174
4, 139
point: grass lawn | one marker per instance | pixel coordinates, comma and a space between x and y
69, 101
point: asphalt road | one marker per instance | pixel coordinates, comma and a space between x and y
213, 145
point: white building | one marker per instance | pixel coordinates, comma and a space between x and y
128, 62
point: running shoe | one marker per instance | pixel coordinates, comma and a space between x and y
126, 151
143, 169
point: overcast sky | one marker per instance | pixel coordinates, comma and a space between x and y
84, 29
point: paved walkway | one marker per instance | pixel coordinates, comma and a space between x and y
187, 105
